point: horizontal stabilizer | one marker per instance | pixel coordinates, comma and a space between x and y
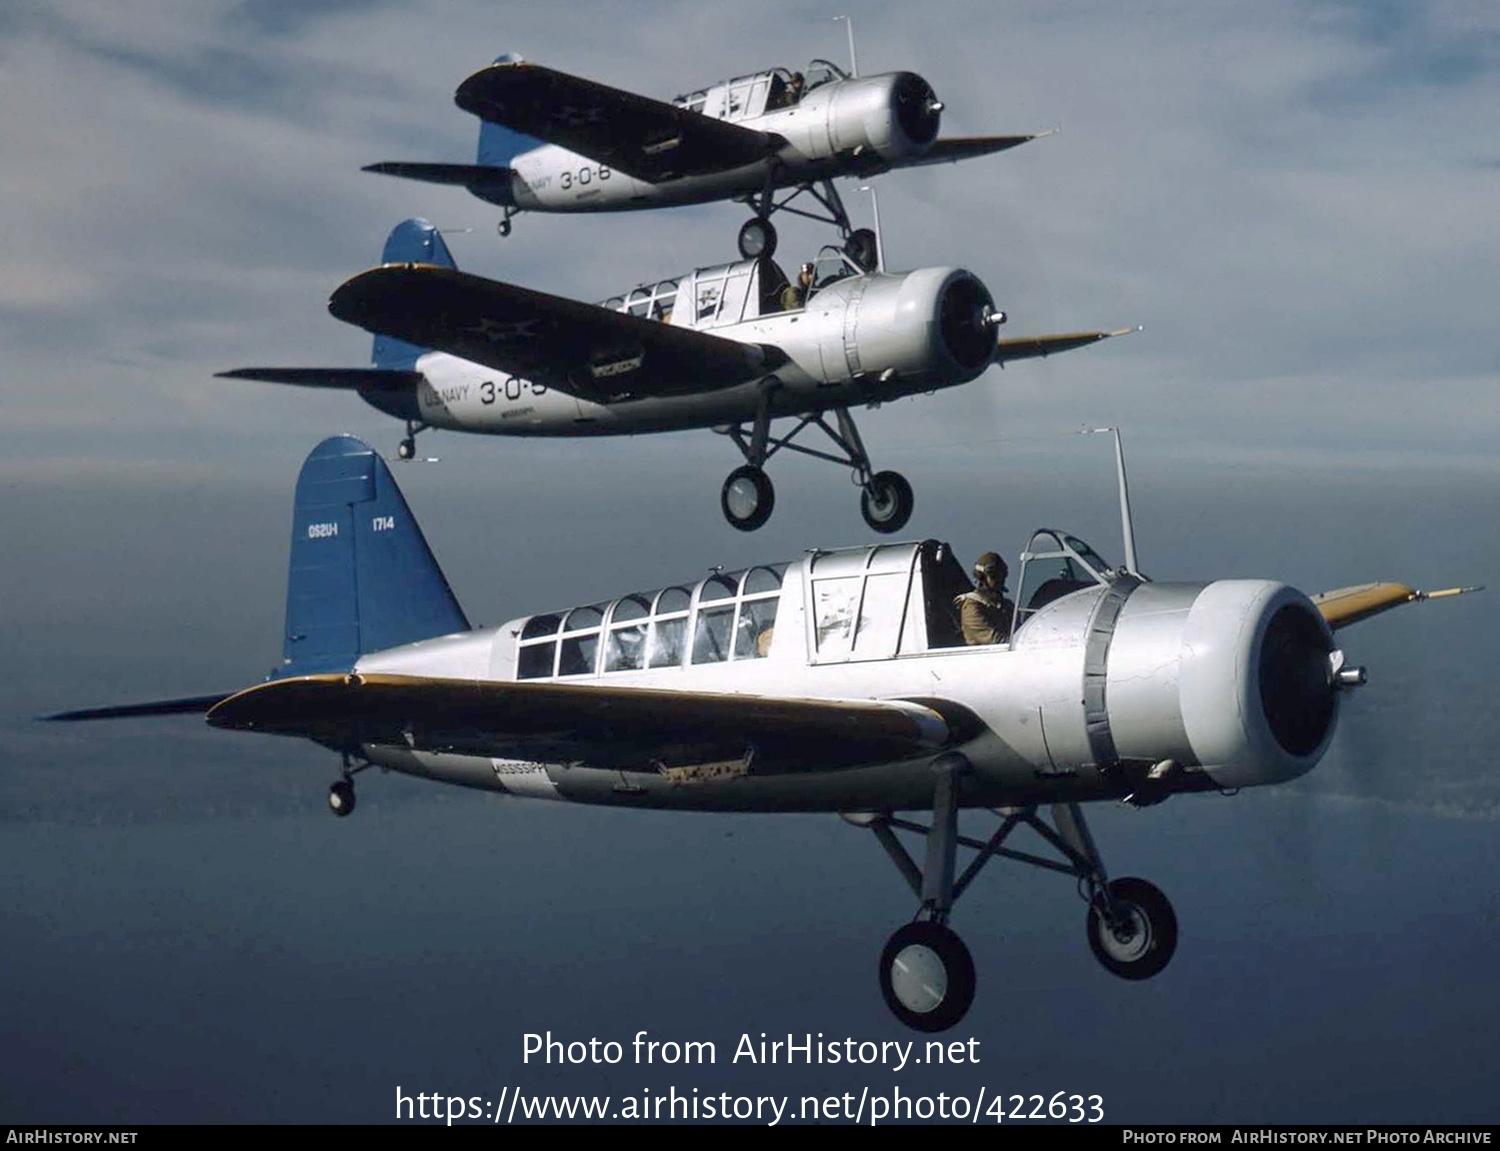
587, 351
357, 379
461, 174
1029, 347
193, 705
596, 726
967, 147
1347, 605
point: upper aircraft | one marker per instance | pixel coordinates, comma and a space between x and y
550, 142
731, 347
848, 680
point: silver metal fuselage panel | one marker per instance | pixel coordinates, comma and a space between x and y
823, 133
1178, 677
864, 339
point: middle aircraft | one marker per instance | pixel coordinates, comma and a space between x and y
731, 347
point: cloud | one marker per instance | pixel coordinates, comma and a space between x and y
1299, 193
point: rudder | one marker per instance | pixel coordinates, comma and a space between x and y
499, 145
362, 577
414, 241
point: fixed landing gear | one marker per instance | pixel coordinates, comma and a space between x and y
886, 499
927, 975
407, 448
341, 791
503, 224
341, 797
862, 247
1138, 941
757, 239
747, 498
757, 236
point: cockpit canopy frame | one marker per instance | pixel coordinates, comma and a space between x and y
1053, 565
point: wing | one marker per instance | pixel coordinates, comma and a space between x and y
587, 351
1028, 347
648, 139
609, 727
193, 705
1347, 605
967, 147
359, 379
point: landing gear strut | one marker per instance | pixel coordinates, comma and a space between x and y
926, 972
757, 237
503, 224
886, 499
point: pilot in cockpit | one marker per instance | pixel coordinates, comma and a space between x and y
794, 296
985, 615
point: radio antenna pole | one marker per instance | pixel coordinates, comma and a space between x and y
853, 61
1127, 525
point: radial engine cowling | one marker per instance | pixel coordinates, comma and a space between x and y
924, 329
1234, 677
895, 116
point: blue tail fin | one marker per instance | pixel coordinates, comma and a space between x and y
413, 241
362, 576
498, 145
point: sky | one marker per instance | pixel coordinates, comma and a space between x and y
1296, 201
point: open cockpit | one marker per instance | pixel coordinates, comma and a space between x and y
733, 293
848, 605
746, 97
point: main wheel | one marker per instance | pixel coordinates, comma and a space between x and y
1142, 943
757, 238
927, 976
341, 797
407, 448
886, 504
862, 248
747, 498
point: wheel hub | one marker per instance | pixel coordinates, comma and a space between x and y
919, 978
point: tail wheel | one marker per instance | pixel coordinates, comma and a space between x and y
887, 502
1143, 938
747, 498
341, 797
861, 247
757, 239
927, 976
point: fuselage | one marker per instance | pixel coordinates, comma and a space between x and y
844, 127
860, 339
1110, 680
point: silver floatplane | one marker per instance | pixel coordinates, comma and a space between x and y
732, 347
550, 142
837, 682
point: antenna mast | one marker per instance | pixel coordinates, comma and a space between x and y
853, 61
1127, 525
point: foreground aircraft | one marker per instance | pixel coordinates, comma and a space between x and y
550, 142
724, 347
837, 682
